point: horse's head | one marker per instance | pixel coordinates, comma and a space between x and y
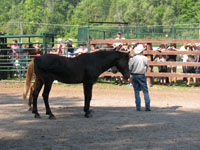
122, 64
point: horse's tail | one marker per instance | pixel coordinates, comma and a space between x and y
29, 76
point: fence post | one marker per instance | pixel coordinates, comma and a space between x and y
174, 32
149, 48
44, 44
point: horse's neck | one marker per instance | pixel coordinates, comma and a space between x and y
108, 62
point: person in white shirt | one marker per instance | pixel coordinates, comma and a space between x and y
81, 49
138, 66
119, 37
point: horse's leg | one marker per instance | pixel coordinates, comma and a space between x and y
30, 102
36, 92
45, 94
88, 95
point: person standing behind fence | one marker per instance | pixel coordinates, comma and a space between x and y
171, 58
184, 58
60, 47
198, 60
119, 37
138, 66
119, 80
82, 49
15, 48
38, 48
161, 58
31, 50
69, 48
191, 58
15, 56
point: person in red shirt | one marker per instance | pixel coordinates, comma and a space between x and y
59, 46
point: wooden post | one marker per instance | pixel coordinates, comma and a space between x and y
150, 69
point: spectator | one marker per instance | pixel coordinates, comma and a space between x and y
171, 58
162, 58
184, 58
82, 49
138, 66
23, 60
198, 60
15, 48
31, 50
125, 47
191, 58
60, 49
38, 48
119, 37
69, 48
15, 56
54, 50
9, 52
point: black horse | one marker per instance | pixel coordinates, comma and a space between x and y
84, 68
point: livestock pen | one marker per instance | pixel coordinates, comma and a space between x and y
150, 52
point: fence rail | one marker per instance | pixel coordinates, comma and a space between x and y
149, 52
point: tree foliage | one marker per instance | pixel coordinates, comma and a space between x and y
79, 12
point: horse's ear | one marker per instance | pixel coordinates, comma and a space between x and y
117, 48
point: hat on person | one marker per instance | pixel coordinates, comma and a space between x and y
139, 48
119, 33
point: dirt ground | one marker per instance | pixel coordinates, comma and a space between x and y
173, 123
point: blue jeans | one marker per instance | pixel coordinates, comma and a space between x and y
140, 83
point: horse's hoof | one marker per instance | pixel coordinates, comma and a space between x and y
52, 117
88, 115
30, 109
37, 116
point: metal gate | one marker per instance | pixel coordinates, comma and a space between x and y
16, 51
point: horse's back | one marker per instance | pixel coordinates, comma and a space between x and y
85, 67
55, 67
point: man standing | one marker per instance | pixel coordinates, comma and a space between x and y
138, 66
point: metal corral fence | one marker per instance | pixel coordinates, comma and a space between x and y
151, 53
138, 32
16, 51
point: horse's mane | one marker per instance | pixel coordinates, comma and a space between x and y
99, 52
104, 49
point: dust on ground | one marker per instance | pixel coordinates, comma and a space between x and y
173, 123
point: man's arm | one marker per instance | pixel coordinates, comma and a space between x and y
131, 63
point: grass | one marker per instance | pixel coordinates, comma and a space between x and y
104, 82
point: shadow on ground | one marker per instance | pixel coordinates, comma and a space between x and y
114, 128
